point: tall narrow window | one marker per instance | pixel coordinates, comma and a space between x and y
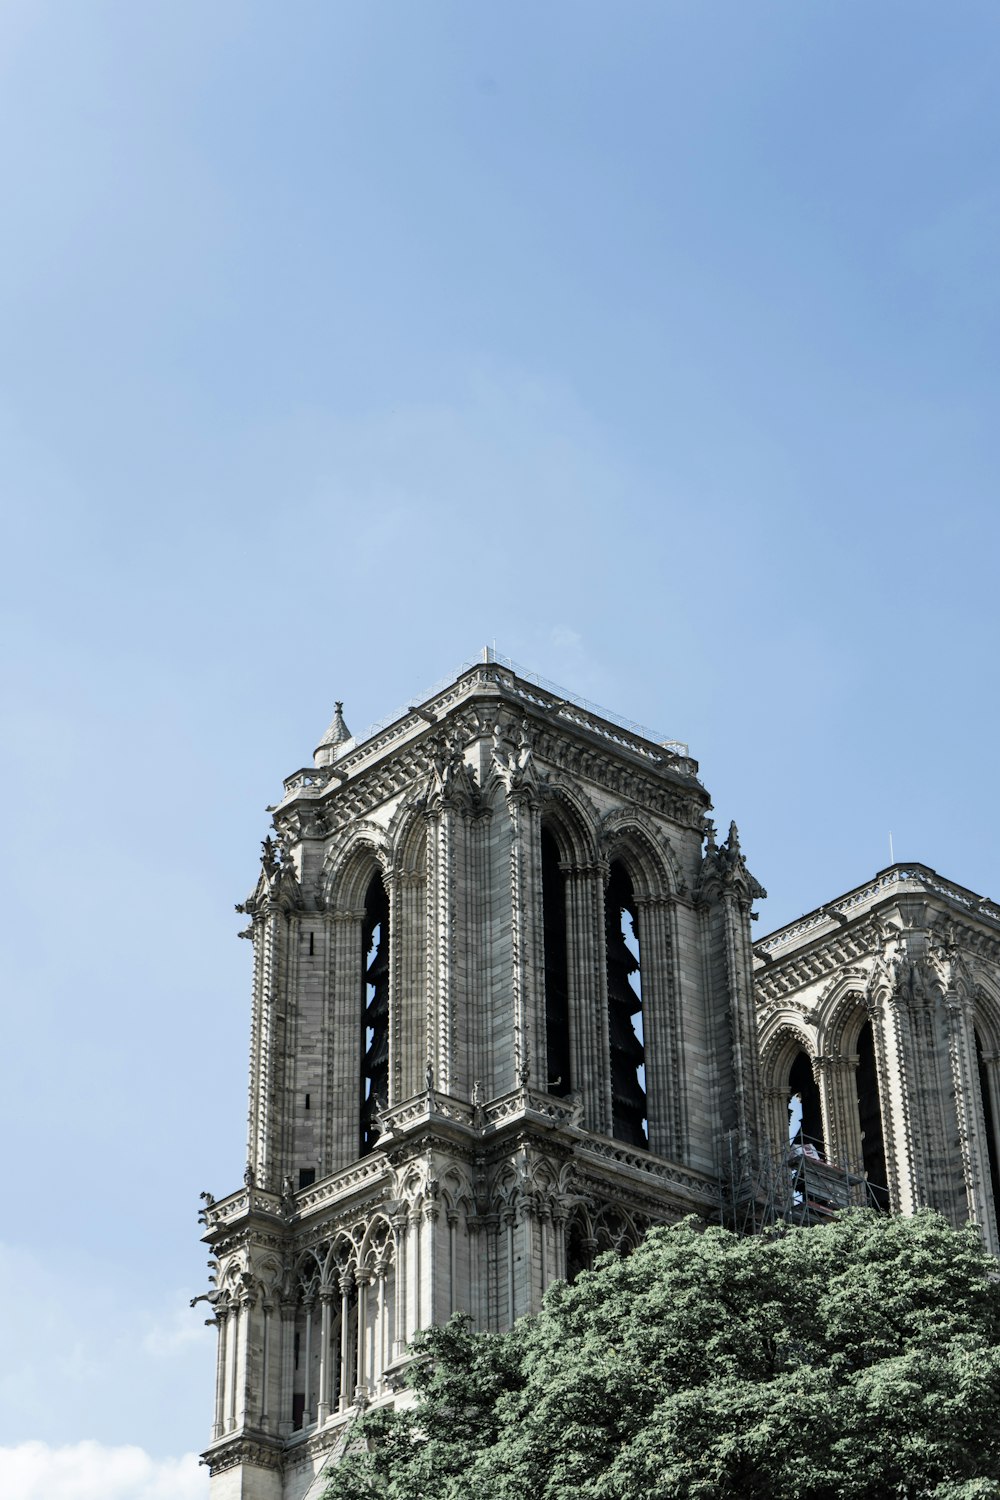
628, 1053
375, 1011
805, 1113
556, 980
989, 1122
870, 1120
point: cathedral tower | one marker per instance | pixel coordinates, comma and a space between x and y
881, 1010
502, 1020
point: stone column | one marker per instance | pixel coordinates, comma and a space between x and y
409, 984
837, 1080
399, 1228
221, 1322
452, 1220
742, 1019
287, 1367
588, 1001
544, 1221
775, 1099
441, 911
661, 1031
234, 1362
267, 1074
527, 937
361, 1382
901, 1131
323, 1403
559, 1237
428, 1310
307, 1408
264, 1420
346, 1283
510, 1309
969, 1113
343, 1125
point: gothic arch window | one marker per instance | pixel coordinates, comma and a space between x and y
805, 1112
628, 1053
580, 1246
870, 1120
557, 1036
374, 1012
989, 1121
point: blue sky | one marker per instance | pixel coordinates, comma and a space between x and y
655, 342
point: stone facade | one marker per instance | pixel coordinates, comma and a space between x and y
502, 1018
882, 1008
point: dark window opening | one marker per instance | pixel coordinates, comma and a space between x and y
312, 944
989, 1123
628, 1053
307, 1101
307, 1176
805, 1113
375, 1012
579, 1253
298, 1409
558, 1080
870, 1120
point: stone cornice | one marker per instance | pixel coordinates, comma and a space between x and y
259, 1449
359, 779
849, 912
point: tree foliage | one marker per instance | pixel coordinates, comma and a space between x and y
858, 1360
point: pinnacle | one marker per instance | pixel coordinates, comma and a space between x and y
338, 731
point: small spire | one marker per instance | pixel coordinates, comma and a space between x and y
338, 730
337, 733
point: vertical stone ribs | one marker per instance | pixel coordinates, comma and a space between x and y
557, 1030
628, 1057
375, 1003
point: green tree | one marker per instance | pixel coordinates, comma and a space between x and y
858, 1360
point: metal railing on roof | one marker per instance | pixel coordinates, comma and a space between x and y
491, 657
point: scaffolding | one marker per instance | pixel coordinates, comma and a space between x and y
763, 1188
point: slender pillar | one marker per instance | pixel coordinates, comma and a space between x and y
221, 1323
308, 1393
287, 1368
234, 1366
399, 1285
361, 1380
838, 1087
345, 1330
509, 1258
452, 1236
381, 1328
559, 1246
586, 984
245, 1407
323, 1404
265, 1366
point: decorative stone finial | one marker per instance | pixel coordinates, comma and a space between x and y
337, 733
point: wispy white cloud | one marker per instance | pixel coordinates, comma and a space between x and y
92, 1471
128, 1370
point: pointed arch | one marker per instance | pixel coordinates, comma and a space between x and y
783, 1035
843, 1018
629, 835
407, 838
573, 822
349, 865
